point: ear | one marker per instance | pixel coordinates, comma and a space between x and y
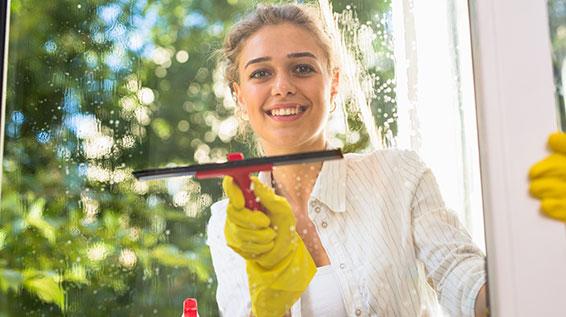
335, 84
237, 93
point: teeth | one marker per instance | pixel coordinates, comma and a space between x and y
285, 111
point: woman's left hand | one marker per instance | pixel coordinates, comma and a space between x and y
548, 178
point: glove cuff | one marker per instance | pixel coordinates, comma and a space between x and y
273, 291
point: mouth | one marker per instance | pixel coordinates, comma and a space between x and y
289, 111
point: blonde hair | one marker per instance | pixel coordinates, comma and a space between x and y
305, 16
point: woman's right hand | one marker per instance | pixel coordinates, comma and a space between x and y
278, 264
266, 238
247, 232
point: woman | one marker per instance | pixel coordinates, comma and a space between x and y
343, 238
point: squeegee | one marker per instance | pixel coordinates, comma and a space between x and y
239, 169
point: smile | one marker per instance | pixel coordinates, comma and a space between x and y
287, 111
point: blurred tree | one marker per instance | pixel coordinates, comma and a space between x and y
97, 89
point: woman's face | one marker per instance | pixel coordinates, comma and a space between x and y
285, 88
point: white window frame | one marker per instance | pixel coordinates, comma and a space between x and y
516, 113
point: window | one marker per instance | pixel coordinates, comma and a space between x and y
435, 97
96, 90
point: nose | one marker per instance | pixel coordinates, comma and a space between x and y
283, 86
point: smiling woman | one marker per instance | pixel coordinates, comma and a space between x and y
373, 227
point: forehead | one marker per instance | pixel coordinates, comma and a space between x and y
277, 41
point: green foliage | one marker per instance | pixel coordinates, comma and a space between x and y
98, 89
10, 280
45, 286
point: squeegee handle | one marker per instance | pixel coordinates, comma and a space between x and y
241, 176
245, 184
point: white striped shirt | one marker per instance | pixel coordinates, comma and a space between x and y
387, 232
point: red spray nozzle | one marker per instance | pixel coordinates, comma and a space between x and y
190, 308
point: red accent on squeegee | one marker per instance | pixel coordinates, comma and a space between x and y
241, 176
190, 307
235, 156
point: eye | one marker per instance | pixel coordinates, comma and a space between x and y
259, 74
304, 69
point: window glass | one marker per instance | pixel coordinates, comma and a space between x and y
97, 89
557, 20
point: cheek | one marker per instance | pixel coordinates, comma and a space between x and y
253, 97
324, 95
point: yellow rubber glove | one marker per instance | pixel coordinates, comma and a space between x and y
548, 178
278, 264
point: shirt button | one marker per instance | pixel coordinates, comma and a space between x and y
324, 224
317, 209
342, 266
358, 312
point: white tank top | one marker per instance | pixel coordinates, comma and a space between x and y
323, 296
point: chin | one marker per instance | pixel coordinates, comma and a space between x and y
291, 141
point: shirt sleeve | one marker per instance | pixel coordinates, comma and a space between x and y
232, 293
455, 267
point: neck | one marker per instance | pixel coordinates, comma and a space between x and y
295, 182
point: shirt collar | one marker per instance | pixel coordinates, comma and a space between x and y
330, 186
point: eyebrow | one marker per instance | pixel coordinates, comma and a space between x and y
290, 55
